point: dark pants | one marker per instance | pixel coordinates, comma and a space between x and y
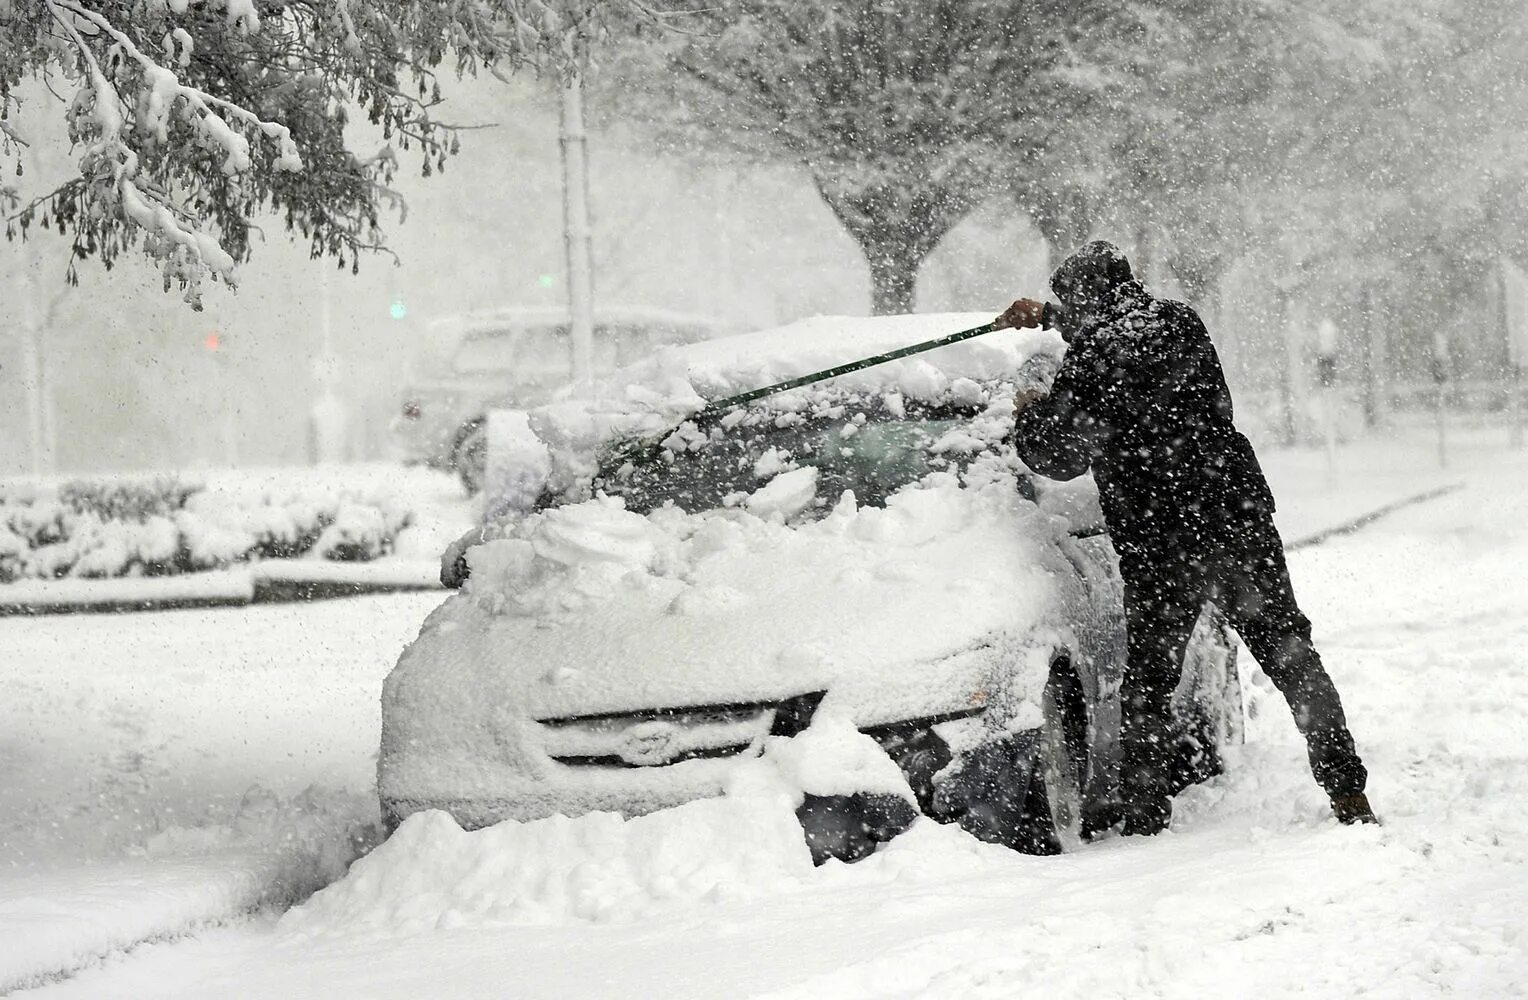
1166, 585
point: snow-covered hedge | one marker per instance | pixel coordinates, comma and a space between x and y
166, 526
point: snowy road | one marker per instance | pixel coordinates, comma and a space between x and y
1255, 892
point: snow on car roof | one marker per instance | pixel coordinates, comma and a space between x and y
749, 360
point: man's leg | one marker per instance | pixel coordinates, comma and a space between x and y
1160, 612
1260, 601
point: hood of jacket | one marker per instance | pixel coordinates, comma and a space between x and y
1093, 284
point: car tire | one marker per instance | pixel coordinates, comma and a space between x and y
1052, 820
469, 455
849, 828
1208, 702
1025, 791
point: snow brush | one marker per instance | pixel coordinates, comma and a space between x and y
632, 451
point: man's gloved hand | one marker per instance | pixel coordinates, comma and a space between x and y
1022, 315
1024, 397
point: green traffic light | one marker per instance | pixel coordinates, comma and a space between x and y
398, 310
546, 281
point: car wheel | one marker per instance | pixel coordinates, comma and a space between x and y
851, 827
469, 456
1207, 704
1053, 809
1025, 791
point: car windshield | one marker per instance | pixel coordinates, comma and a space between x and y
872, 454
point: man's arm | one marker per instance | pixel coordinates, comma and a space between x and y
1053, 433
1050, 430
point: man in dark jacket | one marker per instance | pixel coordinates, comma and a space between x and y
1142, 401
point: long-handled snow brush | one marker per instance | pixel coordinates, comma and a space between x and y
717, 407
721, 405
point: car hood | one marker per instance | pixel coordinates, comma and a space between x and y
917, 609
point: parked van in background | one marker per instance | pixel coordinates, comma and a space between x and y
516, 357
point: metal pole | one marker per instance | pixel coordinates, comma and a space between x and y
1288, 372
31, 351
230, 415
1515, 404
576, 235
1326, 374
1442, 424
1440, 381
1439, 378
40, 424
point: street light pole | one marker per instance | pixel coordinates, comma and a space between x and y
1440, 380
40, 423
1326, 372
574, 141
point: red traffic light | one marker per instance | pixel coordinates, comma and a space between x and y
212, 341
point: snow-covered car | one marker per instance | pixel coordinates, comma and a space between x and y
515, 357
865, 557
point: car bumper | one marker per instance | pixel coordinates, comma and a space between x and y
566, 791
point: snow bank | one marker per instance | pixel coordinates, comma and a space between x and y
603, 868
600, 867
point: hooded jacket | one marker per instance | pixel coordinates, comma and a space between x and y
1141, 400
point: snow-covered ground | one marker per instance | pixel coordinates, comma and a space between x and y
130, 746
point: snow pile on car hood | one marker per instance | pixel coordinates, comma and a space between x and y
591, 608
950, 599
650, 398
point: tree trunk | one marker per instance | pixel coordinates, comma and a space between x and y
896, 229
1143, 261
1063, 219
893, 279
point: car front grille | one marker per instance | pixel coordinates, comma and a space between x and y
662, 736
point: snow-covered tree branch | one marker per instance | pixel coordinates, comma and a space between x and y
193, 117
905, 114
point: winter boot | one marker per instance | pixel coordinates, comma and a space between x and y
1147, 817
1099, 818
1350, 809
